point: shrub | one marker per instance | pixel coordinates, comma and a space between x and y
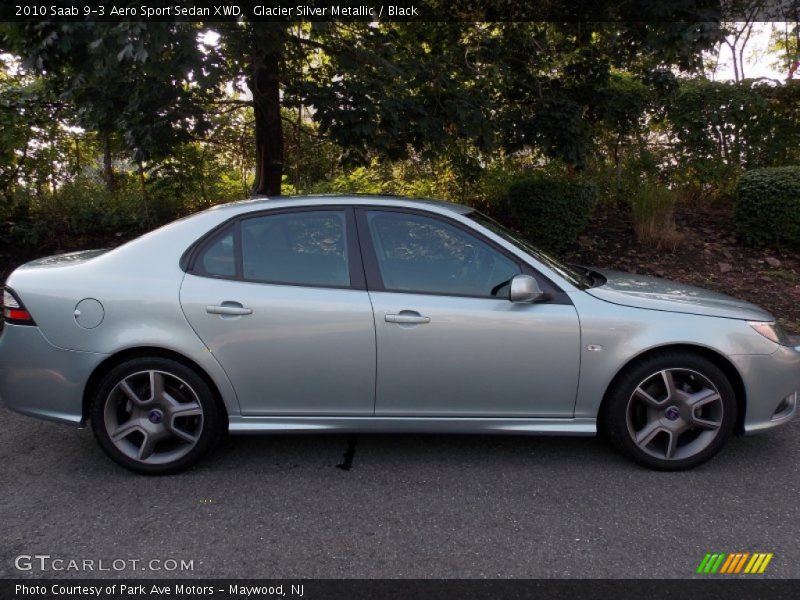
653, 213
551, 211
767, 207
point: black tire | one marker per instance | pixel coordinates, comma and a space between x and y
108, 400
623, 411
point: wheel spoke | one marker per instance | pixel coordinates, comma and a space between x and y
187, 409
669, 384
181, 434
178, 410
156, 385
672, 443
181, 409
701, 398
647, 398
648, 433
127, 428
707, 424
147, 447
131, 394
697, 401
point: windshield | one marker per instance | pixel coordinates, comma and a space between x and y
572, 274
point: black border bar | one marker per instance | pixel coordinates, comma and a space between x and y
394, 10
397, 589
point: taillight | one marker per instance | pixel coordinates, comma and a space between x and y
13, 309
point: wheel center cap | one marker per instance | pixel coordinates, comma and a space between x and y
672, 413
155, 416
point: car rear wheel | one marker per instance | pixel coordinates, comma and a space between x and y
155, 416
671, 411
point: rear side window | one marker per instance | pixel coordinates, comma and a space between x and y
218, 259
302, 248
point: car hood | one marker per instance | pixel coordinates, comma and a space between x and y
641, 291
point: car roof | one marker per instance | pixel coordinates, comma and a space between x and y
368, 199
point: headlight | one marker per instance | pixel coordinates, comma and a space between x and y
772, 331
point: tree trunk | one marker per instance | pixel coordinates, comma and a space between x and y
77, 155
297, 132
145, 199
264, 83
203, 192
108, 168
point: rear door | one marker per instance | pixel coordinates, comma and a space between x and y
279, 299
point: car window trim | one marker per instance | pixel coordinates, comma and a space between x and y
355, 267
372, 268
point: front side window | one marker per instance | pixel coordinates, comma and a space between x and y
426, 255
302, 248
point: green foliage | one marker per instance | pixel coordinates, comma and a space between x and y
394, 90
80, 211
127, 78
402, 178
454, 175
399, 89
551, 211
35, 142
193, 178
624, 104
723, 127
652, 211
112, 128
309, 158
767, 207
617, 181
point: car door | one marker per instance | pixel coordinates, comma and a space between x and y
280, 301
449, 341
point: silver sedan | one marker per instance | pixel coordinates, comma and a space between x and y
375, 314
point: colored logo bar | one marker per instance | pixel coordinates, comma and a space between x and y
737, 562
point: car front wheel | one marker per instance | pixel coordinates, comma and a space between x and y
155, 416
671, 411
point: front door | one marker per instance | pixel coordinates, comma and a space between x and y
449, 341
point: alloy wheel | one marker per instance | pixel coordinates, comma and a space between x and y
674, 414
153, 417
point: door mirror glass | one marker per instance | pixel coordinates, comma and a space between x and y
525, 288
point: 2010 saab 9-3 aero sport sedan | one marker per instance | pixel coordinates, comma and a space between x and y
376, 314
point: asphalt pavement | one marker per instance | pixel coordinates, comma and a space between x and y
375, 506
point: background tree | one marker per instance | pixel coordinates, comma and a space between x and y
173, 117
786, 44
138, 81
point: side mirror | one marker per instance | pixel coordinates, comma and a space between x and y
525, 288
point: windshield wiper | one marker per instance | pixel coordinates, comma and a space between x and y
592, 278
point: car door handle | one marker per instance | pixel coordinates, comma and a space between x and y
229, 309
407, 318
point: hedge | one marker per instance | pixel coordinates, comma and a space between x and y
766, 207
550, 211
